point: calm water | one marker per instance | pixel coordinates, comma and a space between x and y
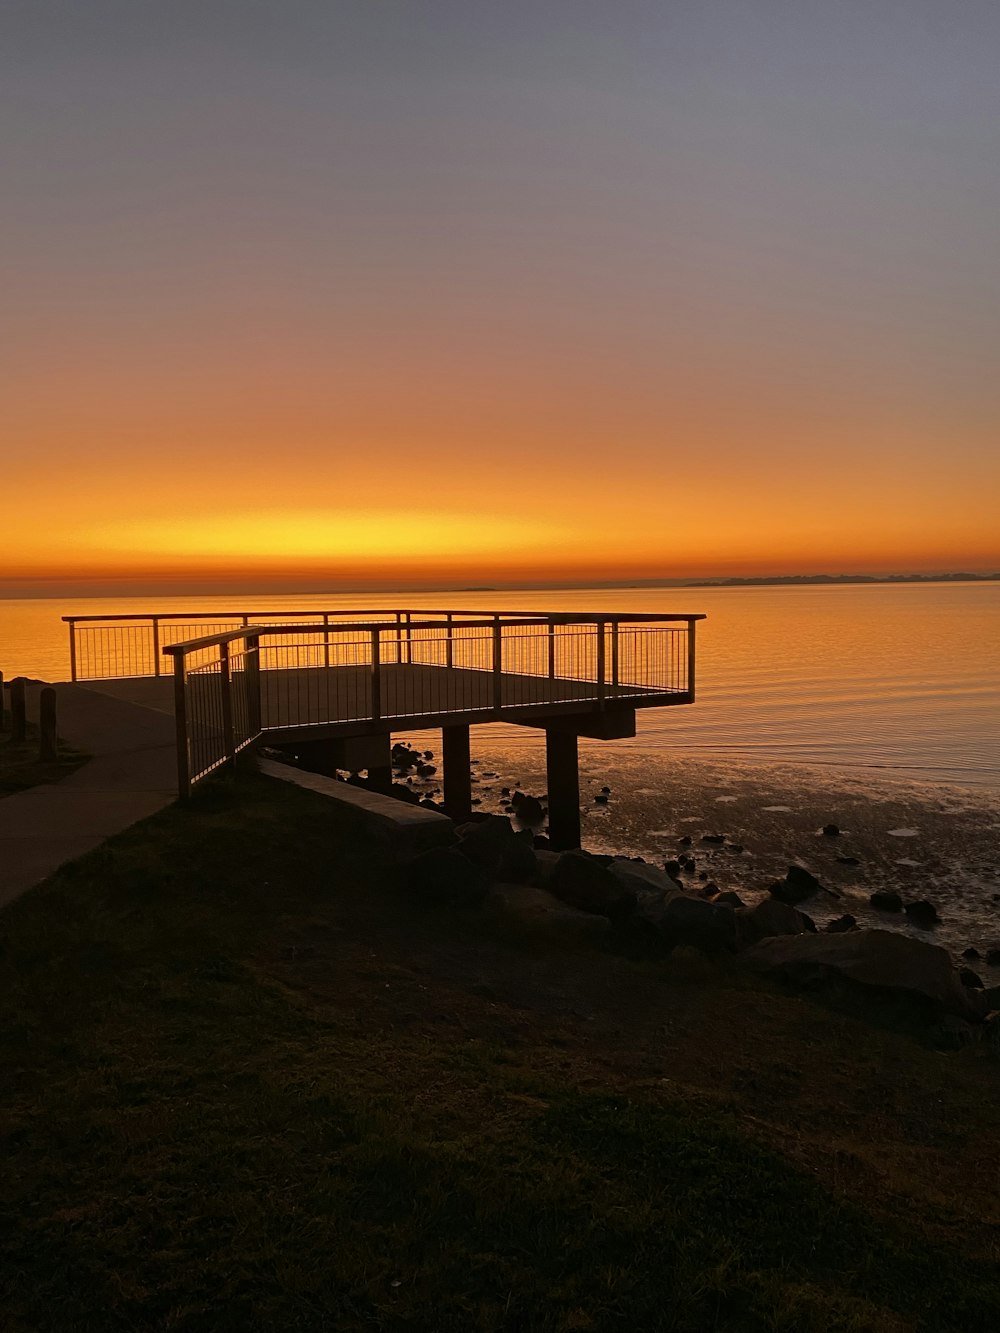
904, 679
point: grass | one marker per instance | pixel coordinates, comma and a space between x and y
20, 766
250, 1085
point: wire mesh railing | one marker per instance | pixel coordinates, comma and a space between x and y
235, 685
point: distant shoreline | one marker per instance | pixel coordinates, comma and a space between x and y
821, 580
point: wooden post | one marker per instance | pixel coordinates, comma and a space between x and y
497, 664
226, 686
457, 774
72, 650
600, 663
450, 647
690, 682
563, 777
326, 640
376, 677
552, 648
399, 637
380, 772
615, 631
18, 711
3, 703
251, 665
156, 646
48, 745
409, 638
181, 730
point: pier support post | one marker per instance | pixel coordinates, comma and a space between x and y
457, 774
563, 775
380, 763
48, 744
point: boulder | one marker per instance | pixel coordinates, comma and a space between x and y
969, 978
842, 923
528, 809
729, 899
886, 900
500, 850
796, 887
586, 883
445, 875
972, 954
770, 917
831, 831
640, 877
880, 966
716, 839
922, 913
993, 957
538, 912
684, 920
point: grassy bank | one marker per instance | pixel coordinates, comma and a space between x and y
249, 1085
20, 766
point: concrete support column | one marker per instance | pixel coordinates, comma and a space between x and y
457, 774
379, 763
563, 775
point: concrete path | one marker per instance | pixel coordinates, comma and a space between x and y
132, 775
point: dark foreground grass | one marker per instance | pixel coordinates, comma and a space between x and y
229, 1104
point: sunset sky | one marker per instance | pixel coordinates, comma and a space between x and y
355, 293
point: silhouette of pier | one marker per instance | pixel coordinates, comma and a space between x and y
342, 686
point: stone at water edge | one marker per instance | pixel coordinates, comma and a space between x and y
971, 954
639, 877
971, 979
586, 883
831, 831
877, 964
729, 899
798, 885
886, 900
770, 917
842, 923
501, 851
682, 920
993, 957
922, 913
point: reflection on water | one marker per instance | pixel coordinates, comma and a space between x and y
902, 678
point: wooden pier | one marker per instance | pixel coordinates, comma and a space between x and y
342, 687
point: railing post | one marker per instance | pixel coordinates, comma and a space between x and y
376, 676
326, 639
180, 720
497, 664
600, 662
409, 638
690, 681
156, 645
72, 650
615, 631
226, 685
450, 647
399, 637
552, 648
251, 666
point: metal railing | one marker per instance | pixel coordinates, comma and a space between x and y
289, 680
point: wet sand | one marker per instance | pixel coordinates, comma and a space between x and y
926, 842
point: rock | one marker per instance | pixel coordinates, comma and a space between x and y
971, 954
886, 900
880, 966
991, 997
797, 885
600, 799
682, 920
842, 923
685, 841
952, 1033
848, 861
709, 890
769, 918
831, 831
638, 877
501, 851
445, 875
672, 868
971, 979
426, 770
922, 913
729, 899
528, 809
993, 957
585, 883
534, 910
716, 838
736, 848
605, 791
542, 843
